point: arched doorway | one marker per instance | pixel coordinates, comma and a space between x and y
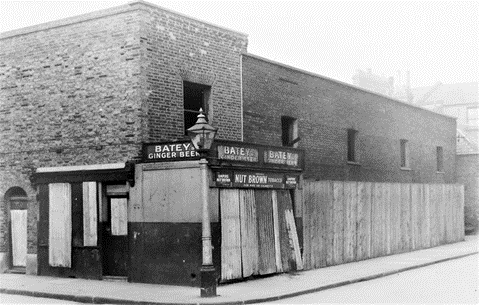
17, 201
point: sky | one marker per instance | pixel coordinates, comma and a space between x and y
435, 41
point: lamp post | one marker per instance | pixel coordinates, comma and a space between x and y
202, 136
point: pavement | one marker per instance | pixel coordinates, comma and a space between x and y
267, 289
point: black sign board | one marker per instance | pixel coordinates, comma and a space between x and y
171, 151
241, 179
253, 157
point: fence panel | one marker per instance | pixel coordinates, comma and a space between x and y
350, 216
352, 221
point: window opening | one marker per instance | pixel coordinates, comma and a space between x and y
289, 131
195, 96
439, 159
352, 142
404, 153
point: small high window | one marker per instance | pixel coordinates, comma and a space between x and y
404, 153
195, 96
439, 159
289, 134
352, 143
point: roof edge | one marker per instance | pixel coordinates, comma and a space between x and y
344, 84
129, 7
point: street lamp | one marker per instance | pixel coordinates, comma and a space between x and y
202, 136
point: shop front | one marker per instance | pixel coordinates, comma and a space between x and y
143, 222
253, 204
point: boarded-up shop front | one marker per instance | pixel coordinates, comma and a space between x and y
83, 221
252, 212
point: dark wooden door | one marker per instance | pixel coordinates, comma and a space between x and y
115, 238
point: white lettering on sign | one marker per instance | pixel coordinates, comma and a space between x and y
257, 179
281, 157
237, 153
172, 151
240, 178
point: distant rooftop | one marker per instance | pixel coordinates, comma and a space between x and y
448, 94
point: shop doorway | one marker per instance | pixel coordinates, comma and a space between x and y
115, 238
18, 203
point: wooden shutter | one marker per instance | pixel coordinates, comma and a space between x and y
119, 216
89, 214
19, 237
60, 225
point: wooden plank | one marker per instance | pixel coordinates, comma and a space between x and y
350, 214
266, 244
338, 239
290, 252
426, 218
457, 205
405, 218
294, 241
419, 216
415, 195
329, 224
364, 221
376, 221
442, 214
230, 235
60, 225
387, 219
119, 216
90, 217
314, 233
453, 210
322, 225
433, 200
18, 220
277, 233
249, 232
448, 214
395, 209
461, 212
307, 198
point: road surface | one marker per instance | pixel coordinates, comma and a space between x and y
455, 281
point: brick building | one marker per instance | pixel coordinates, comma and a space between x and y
388, 140
80, 96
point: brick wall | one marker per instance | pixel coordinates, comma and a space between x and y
468, 174
177, 49
90, 89
68, 97
325, 109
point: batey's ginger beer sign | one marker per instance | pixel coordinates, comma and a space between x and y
169, 152
281, 157
237, 153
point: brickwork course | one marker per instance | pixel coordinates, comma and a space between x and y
91, 89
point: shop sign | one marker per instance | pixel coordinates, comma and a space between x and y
255, 180
291, 181
282, 157
237, 153
169, 152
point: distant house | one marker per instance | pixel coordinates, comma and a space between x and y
459, 100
